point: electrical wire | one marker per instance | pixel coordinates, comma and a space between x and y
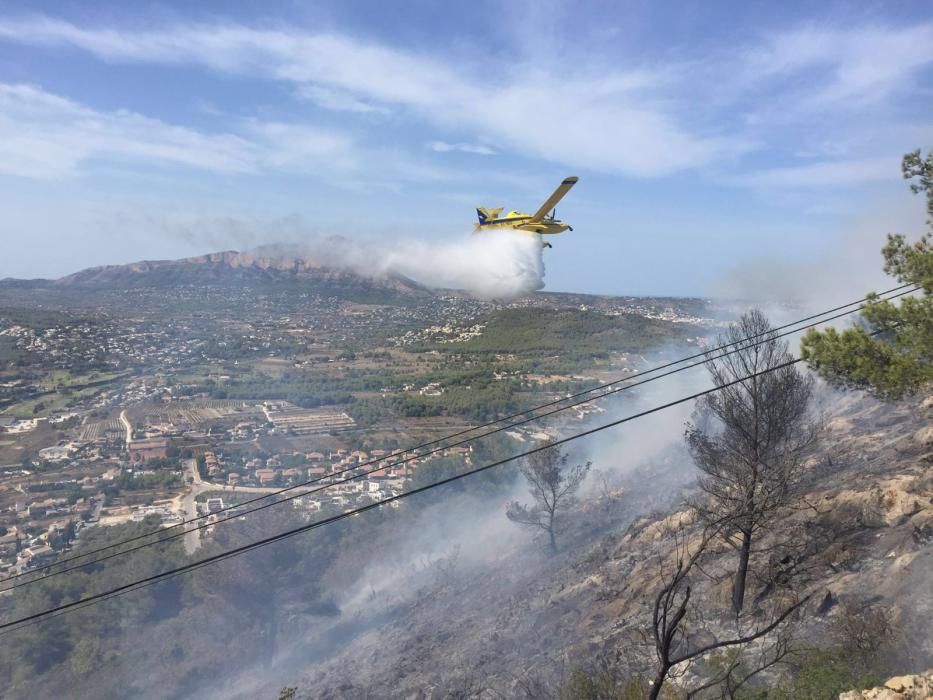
450, 437
236, 551
239, 513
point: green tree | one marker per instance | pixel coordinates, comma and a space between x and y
892, 355
85, 655
60, 540
553, 484
824, 673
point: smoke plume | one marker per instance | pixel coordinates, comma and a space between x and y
841, 267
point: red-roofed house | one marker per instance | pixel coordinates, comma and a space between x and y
265, 476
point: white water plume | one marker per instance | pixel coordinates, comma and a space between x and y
495, 265
500, 264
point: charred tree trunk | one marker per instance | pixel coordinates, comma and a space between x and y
741, 573
659, 682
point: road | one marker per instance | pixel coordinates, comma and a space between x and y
188, 507
127, 427
186, 504
254, 489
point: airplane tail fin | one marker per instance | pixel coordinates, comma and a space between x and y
482, 215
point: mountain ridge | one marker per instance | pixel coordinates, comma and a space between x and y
266, 265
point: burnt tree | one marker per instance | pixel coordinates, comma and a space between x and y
748, 439
681, 634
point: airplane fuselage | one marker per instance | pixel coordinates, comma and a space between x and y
544, 228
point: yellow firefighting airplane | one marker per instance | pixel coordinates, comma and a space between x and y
538, 223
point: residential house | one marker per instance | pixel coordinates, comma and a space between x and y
266, 476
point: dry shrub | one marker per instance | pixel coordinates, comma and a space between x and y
865, 631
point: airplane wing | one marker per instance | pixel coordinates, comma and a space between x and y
552, 201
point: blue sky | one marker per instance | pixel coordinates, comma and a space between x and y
707, 136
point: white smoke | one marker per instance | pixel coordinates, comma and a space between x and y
841, 267
461, 531
649, 453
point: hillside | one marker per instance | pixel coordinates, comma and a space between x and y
262, 266
512, 622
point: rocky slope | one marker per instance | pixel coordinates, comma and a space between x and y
517, 621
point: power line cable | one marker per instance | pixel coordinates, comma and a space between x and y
236, 551
14, 625
451, 436
151, 580
455, 435
239, 513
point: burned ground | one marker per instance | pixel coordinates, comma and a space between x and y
519, 620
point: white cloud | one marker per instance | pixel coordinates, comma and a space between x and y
287, 146
858, 65
46, 136
624, 118
444, 147
602, 120
839, 173
338, 100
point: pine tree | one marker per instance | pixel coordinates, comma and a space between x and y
890, 355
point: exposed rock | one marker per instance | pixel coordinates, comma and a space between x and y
924, 436
663, 528
915, 687
887, 502
839, 425
523, 617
